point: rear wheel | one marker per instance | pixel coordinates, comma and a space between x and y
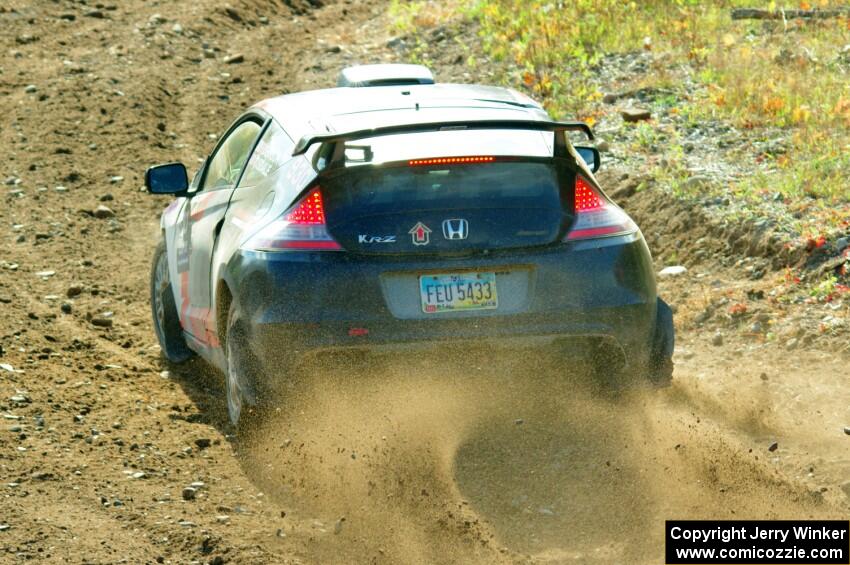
166, 321
242, 370
661, 360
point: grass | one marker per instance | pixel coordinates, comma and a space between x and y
790, 80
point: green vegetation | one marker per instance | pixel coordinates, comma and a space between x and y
785, 78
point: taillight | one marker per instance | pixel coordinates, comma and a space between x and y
303, 228
595, 216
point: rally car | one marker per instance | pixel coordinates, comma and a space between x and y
396, 212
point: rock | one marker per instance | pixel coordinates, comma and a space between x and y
102, 320
842, 243
703, 316
222, 519
696, 182
717, 339
203, 443
66, 308
68, 17
519, 421
753, 294
189, 493
107, 198
672, 271
177, 28
232, 13
45, 274
156, 19
97, 14
75, 289
116, 179
791, 343
626, 191
603, 146
395, 42
4, 527
773, 447
234, 59
610, 98
847, 430
102, 212
633, 115
338, 525
139, 475
30, 88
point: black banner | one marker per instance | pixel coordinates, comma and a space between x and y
757, 542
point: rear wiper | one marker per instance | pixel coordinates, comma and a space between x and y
509, 102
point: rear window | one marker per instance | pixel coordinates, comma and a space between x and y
509, 184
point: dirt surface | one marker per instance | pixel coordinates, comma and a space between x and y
108, 454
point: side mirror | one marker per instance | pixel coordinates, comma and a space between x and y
167, 179
591, 156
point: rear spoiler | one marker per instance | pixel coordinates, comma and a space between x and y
534, 125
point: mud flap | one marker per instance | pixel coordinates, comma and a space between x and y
661, 361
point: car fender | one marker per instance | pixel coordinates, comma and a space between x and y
168, 228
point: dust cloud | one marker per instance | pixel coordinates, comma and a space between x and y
496, 456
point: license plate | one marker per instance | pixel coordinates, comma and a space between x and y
457, 292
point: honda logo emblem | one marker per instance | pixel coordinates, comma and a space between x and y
455, 229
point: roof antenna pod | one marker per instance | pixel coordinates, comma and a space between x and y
361, 76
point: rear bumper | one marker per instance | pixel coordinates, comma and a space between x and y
623, 329
300, 304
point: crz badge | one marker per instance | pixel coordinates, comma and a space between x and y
375, 239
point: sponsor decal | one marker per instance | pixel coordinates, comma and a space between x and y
456, 228
420, 234
376, 239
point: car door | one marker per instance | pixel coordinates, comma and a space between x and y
201, 221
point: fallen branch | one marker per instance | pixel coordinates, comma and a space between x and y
757, 14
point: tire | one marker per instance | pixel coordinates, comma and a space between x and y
166, 321
243, 392
663, 343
